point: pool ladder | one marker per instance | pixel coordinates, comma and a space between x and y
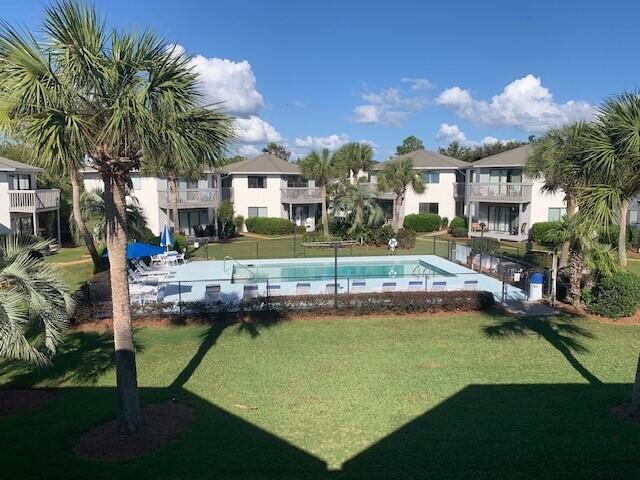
244, 267
422, 273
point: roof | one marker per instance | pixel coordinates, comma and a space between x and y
516, 157
427, 159
8, 165
265, 163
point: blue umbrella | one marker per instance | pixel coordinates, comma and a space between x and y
137, 250
165, 237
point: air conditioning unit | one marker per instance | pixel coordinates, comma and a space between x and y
310, 225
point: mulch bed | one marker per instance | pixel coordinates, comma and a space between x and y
625, 413
161, 423
13, 402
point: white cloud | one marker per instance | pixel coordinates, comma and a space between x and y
254, 129
419, 83
332, 142
450, 133
248, 151
388, 106
525, 104
299, 104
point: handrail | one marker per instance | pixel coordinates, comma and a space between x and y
228, 257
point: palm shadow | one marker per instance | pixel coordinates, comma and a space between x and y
562, 333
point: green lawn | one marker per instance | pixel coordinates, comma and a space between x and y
75, 265
466, 396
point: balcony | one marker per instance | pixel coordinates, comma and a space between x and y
499, 192
301, 195
373, 188
30, 201
191, 198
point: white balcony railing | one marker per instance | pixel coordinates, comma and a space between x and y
499, 192
29, 201
191, 197
373, 188
301, 194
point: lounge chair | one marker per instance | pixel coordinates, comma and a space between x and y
415, 286
141, 293
250, 291
439, 286
303, 288
358, 286
273, 291
136, 278
330, 288
470, 285
388, 287
212, 293
154, 269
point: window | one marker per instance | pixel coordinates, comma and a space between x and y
257, 182
431, 176
633, 217
213, 181
257, 212
185, 183
503, 219
296, 181
428, 208
556, 214
505, 175
22, 182
135, 181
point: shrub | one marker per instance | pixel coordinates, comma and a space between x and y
422, 222
338, 228
616, 296
539, 231
269, 225
238, 221
459, 232
444, 223
485, 244
610, 235
459, 222
382, 235
179, 242
368, 303
299, 229
406, 238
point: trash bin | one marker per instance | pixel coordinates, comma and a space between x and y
535, 287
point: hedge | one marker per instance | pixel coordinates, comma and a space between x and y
268, 225
539, 231
616, 296
459, 222
610, 235
422, 222
459, 232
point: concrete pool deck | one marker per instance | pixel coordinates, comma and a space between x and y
189, 281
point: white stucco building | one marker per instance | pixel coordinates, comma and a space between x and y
25, 208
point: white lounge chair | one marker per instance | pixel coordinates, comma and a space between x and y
212, 293
303, 288
470, 285
415, 286
143, 293
358, 286
330, 288
439, 286
273, 291
250, 291
136, 278
160, 276
388, 287
154, 269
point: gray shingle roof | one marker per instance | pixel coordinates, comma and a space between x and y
8, 165
265, 163
426, 159
516, 157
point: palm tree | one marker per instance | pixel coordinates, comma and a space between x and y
119, 96
359, 207
355, 157
397, 176
34, 303
557, 158
321, 168
612, 149
92, 208
585, 251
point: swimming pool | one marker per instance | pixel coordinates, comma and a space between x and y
349, 269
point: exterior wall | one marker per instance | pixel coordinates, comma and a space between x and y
541, 202
5, 217
147, 196
269, 197
441, 193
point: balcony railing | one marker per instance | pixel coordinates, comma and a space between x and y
373, 188
29, 201
191, 197
301, 194
498, 192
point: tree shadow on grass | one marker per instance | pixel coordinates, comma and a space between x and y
560, 332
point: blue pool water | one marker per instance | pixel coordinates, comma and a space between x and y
384, 268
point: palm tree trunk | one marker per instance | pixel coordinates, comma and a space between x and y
172, 180
570, 200
126, 375
635, 395
575, 278
325, 218
622, 234
397, 207
77, 217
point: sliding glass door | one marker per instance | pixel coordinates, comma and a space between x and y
503, 219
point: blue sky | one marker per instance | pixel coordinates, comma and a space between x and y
312, 74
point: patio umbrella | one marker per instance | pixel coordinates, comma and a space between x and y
165, 237
137, 250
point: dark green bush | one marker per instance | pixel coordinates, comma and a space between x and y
238, 221
269, 225
485, 244
179, 242
459, 232
539, 231
300, 229
444, 223
616, 296
422, 222
382, 235
406, 238
610, 235
338, 228
459, 222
